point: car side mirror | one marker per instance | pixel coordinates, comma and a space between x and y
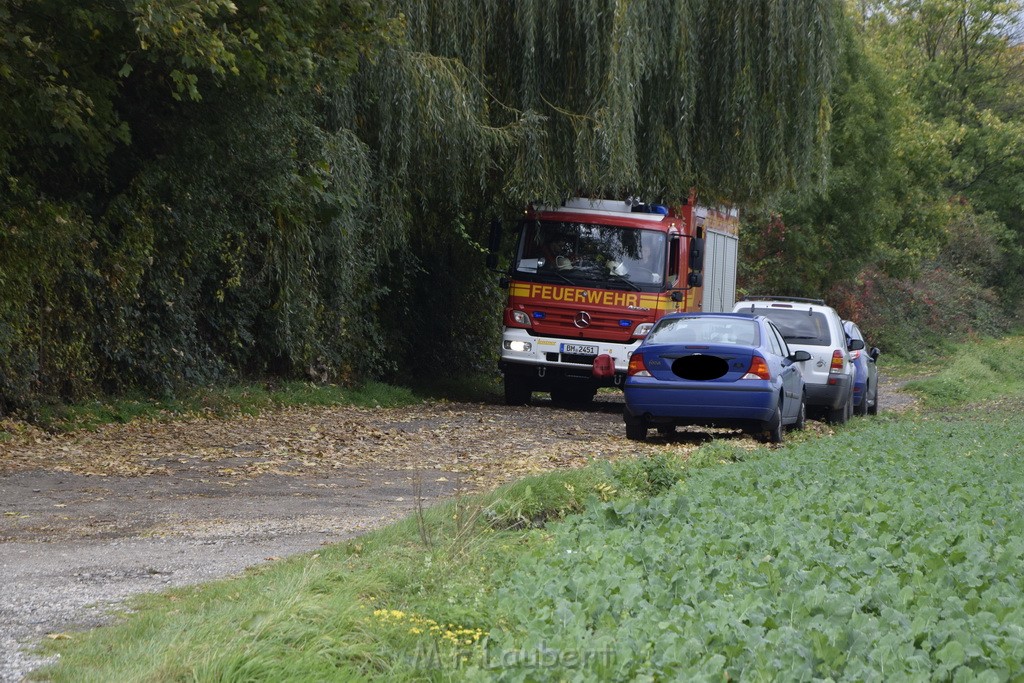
799, 356
875, 353
855, 345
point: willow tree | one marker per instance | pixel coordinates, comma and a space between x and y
489, 104
655, 97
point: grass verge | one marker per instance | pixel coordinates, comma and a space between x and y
977, 371
241, 399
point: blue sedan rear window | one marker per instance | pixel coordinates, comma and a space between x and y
705, 331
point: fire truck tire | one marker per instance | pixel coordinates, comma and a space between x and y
517, 391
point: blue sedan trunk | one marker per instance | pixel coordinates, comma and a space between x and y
701, 382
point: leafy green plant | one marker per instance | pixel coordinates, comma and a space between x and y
717, 452
646, 477
885, 551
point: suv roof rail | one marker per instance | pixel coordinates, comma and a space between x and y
817, 302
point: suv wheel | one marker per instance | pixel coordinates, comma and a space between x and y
840, 415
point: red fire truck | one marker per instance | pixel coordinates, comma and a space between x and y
589, 279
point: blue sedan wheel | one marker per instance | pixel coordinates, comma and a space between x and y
773, 428
801, 414
636, 431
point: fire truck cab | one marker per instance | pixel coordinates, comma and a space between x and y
589, 278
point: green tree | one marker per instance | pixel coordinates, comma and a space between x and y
881, 200
961, 64
204, 188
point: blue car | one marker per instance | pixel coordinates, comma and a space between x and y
865, 382
715, 370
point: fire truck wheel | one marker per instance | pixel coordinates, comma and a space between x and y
517, 391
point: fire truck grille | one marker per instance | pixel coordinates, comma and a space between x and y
602, 327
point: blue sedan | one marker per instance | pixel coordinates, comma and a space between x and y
715, 370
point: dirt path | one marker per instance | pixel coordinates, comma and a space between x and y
91, 518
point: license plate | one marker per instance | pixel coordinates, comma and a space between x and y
579, 349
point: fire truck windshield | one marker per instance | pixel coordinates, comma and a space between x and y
591, 255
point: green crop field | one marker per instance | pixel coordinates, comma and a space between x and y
890, 551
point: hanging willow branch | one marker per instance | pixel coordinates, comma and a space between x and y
605, 96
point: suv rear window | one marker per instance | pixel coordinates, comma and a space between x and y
705, 331
798, 326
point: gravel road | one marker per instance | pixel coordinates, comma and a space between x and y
92, 518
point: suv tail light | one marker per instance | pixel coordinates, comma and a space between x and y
637, 366
758, 369
837, 363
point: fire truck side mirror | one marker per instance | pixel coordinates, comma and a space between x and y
695, 280
697, 253
677, 296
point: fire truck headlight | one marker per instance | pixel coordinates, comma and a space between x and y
513, 345
642, 329
521, 318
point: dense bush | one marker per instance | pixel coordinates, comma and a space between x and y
965, 292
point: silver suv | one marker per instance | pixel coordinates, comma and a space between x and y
810, 325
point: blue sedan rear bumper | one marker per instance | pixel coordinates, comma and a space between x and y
700, 403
